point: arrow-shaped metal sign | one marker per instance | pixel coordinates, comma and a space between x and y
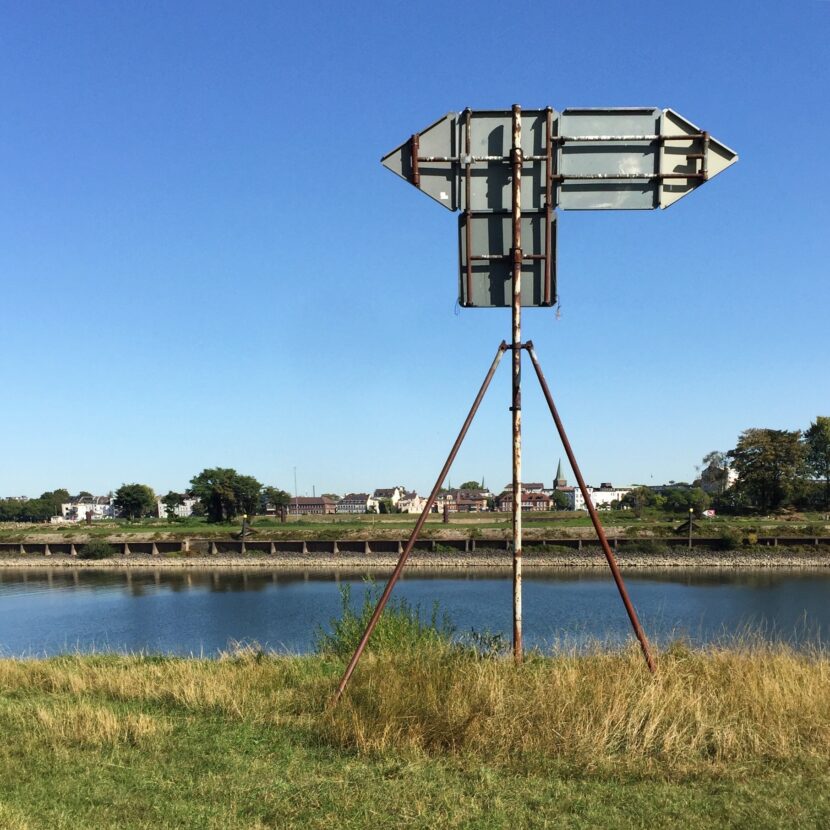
600, 159
579, 159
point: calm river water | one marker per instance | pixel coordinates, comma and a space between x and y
205, 612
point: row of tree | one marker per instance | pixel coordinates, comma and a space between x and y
41, 509
679, 499
222, 494
225, 494
776, 469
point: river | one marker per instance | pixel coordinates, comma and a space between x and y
205, 612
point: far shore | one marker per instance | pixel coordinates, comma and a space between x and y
587, 558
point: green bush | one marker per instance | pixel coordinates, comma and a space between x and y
730, 538
401, 627
645, 546
96, 550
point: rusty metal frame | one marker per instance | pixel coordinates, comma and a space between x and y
515, 348
384, 598
549, 157
416, 172
468, 214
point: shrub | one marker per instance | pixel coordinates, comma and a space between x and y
730, 539
96, 550
401, 627
644, 546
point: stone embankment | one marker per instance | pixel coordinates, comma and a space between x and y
755, 557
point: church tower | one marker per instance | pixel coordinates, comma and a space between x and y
560, 482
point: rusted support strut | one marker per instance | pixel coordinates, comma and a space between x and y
603, 540
503, 347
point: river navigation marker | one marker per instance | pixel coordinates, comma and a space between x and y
508, 171
636, 158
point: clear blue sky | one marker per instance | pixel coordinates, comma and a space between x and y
203, 262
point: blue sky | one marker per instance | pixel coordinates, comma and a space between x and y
204, 264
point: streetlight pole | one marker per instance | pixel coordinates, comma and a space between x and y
691, 514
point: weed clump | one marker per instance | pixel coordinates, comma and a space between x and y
402, 626
96, 550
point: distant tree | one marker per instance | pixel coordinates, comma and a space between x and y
134, 501
817, 453
247, 490
225, 494
84, 494
8, 510
386, 506
681, 500
34, 510
640, 498
470, 485
715, 474
56, 498
275, 497
769, 463
560, 500
332, 496
171, 501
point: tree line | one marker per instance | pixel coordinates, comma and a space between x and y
768, 470
222, 495
777, 469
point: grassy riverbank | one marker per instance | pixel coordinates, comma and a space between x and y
429, 735
396, 526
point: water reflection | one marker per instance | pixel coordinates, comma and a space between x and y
200, 611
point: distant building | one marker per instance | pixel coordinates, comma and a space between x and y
181, 511
444, 499
382, 493
411, 503
97, 507
354, 503
471, 501
531, 501
306, 505
603, 496
560, 482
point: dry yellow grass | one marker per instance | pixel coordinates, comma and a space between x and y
245, 685
703, 707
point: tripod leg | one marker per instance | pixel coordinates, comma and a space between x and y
418, 525
603, 540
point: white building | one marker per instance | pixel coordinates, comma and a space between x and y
98, 507
411, 503
392, 493
181, 511
354, 503
602, 496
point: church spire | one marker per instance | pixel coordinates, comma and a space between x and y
560, 481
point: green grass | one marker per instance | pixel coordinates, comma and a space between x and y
399, 525
425, 738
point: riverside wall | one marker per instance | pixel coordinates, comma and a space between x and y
771, 551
